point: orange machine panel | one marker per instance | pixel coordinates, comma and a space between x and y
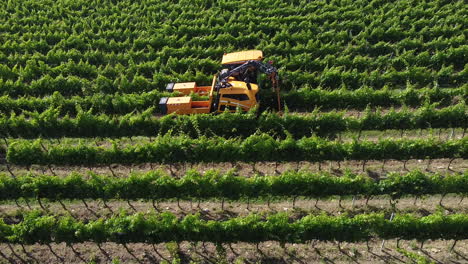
179, 103
185, 88
241, 56
184, 106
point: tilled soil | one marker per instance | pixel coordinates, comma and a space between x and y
374, 168
215, 210
376, 251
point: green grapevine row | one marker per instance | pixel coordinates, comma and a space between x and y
156, 185
257, 147
88, 64
49, 124
139, 46
69, 84
165, 227
305, 99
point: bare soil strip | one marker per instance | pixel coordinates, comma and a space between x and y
375, 251
219, 210
374, 169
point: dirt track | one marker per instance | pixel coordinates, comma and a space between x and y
267, 252
373, 168
215, 210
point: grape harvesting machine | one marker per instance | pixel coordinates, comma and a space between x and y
234, 87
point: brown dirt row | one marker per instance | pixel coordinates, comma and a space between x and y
215, 210
376, 251
375, 169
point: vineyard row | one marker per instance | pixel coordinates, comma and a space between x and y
341, 26
141, 46
77, 79
316, 55
59, 61
49, 124
305, 99
165, 227
194, 185
257, 147
206, 15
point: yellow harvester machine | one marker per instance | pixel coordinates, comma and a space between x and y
235, 86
